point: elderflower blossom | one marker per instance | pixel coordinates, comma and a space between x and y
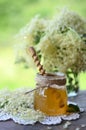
67, 18
17, 103
63, 51
30, 35
58, 42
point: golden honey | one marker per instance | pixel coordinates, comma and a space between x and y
51, 97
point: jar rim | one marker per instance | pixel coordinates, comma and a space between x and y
51, 76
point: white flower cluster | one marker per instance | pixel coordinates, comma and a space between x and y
58, 42
63, 51
30, 35
18, 104
68, 18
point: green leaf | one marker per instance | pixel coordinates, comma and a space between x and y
73, 108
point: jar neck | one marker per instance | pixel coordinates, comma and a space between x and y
50, 79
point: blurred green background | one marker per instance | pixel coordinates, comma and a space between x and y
14, 14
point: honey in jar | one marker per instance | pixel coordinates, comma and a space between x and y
51, 97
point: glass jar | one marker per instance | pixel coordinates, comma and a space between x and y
51, 97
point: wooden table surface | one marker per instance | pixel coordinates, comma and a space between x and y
79, 124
